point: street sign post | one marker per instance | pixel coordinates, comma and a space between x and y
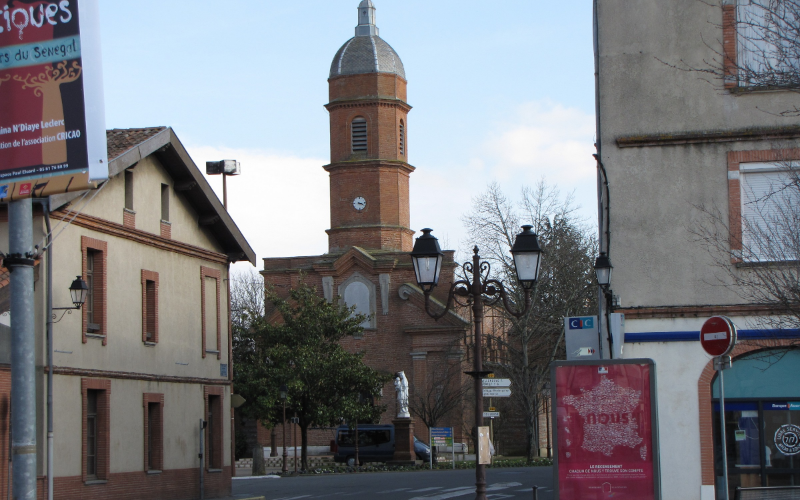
442, 436
496, 382
496, 392
718, 338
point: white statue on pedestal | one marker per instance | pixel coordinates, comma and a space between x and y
401, 386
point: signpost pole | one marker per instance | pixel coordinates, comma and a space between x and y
23, 349
453, 447
721, 362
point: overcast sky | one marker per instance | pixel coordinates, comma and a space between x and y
501, 91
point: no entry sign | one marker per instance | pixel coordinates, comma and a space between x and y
718, 336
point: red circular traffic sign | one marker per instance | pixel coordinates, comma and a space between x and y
718, 336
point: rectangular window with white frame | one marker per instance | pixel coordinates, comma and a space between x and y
770, 211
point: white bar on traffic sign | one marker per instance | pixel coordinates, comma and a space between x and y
496, 382
715, 336
491, 414
499, 392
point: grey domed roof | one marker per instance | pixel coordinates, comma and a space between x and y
366, 54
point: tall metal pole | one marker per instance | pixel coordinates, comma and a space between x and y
285, 467
50, 433
224, 190
721, 368
23, 348
477, 314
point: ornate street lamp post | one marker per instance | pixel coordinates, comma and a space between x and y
427, 258
283, 391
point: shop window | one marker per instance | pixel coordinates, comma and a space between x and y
762, 421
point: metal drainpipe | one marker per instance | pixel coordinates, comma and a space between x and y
46, 209
602, 221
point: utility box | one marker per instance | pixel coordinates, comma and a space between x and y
616, 323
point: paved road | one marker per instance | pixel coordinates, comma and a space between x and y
510, 483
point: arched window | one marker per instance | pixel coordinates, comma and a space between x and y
358, 134
402, 138
360, 292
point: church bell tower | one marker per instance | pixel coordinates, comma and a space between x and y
369, 167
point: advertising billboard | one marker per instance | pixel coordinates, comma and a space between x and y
606, 430
52, 123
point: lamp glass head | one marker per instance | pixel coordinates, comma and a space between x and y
427, 258
527, 256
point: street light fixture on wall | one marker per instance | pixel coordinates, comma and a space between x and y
78, 291
602, 269
427, 258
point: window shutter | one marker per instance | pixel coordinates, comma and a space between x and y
402, 138
359, 134
769, 216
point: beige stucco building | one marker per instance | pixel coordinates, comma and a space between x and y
684, 134
148, 356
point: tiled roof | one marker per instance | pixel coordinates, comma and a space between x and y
121, 140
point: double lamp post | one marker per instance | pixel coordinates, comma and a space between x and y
427, 258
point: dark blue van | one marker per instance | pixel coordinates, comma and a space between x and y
375, 444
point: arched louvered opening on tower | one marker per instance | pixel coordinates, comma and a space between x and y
402, 138
358, 135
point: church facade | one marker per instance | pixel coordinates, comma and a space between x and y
368, 264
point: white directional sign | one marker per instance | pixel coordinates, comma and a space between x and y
496, 382
498, 392
491, 414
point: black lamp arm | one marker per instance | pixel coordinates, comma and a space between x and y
494, 287
454, 290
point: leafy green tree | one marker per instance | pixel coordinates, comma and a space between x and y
326, 384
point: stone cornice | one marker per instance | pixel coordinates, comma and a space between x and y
697, 311
143, 237
87, 372
370, 163
368, 101
708, 137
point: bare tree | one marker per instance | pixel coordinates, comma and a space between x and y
758, 254
441, 394
522, 349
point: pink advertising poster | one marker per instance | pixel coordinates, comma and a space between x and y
604, 423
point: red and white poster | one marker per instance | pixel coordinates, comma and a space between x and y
607, 446
52, 130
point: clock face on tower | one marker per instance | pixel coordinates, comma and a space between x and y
359, 203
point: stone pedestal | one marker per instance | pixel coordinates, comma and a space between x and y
403, 442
